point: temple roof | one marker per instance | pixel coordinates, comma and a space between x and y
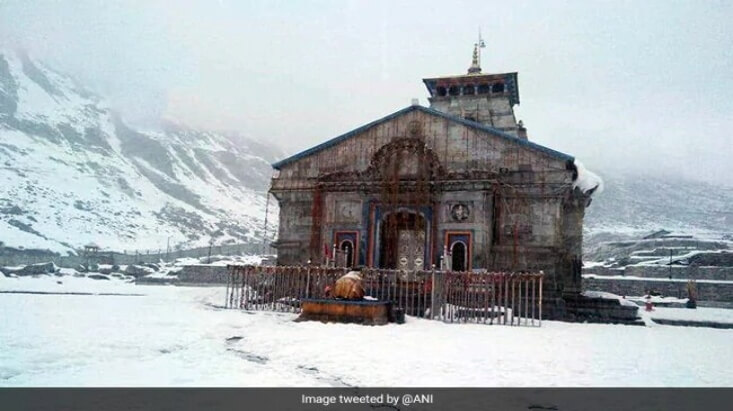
471, 124
510, 80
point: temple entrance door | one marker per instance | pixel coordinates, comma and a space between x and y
411, 249
402, 244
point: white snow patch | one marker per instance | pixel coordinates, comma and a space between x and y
609, 296
178, 336
587, 180
722, 315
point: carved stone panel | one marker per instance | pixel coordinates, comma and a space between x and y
348, 211
459, 212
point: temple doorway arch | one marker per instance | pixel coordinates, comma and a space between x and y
402, 240
459, 256
347, 251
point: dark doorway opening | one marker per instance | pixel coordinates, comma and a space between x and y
459, 256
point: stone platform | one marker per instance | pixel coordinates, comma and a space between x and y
580, 308
345, 311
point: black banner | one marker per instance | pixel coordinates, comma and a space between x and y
284, 399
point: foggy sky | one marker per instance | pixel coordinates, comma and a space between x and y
632, 85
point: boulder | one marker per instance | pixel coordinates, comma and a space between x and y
349, 287
34, 269
98, 277
138, 270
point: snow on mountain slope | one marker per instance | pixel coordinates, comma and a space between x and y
633, 204
71, 172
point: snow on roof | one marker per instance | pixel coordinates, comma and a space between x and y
587, 181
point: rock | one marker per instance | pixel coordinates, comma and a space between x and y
349, 287
98, 277
105, 270
81, 268
116, 268
94, 267
34, 269
153, 266
13, 210
138, 270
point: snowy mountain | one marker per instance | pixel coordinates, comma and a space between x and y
72, 172
633, 204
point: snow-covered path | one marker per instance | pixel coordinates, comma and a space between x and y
176, 336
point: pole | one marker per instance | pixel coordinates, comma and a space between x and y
432, 293
540, 299
308, 281
264, 234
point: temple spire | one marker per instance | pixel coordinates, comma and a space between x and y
475, 65
476, 62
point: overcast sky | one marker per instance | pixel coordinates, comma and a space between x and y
644, 84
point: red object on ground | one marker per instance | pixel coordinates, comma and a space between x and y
649, 306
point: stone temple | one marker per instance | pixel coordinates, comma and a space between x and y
456, 185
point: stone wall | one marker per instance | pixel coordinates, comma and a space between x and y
656, 271
524, 214
458, 148
13, 257
722, 292
203, 274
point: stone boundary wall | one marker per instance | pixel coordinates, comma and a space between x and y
12, 257
691, 272
722, 292
604, 271
203, 274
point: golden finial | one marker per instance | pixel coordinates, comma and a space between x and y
476, 62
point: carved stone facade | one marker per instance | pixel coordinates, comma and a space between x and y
398, 192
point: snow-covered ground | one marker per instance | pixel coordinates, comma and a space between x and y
720, 315
177, 336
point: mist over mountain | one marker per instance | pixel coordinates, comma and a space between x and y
634, 203
73, 172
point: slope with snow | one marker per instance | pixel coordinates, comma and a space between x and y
633, 204
71, 172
